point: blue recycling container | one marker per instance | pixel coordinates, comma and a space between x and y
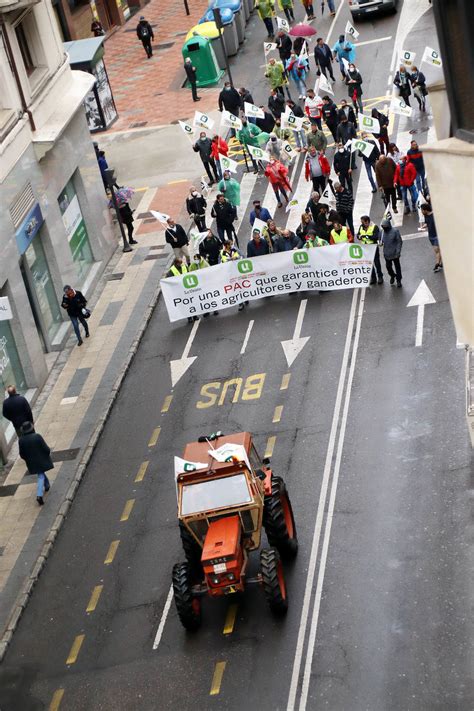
239, 14
231, 37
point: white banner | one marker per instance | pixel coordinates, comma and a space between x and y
289, 150
398, 106
350, 30
228, 119
258, 153
5, 309
268, 47
161, 216
252, 110
363, 146
291, 121
259, 225
228, 164
407, 58
188, 130
324, 85
282, 24
203, 120
431, 56
367, 123
341, 266
181, 466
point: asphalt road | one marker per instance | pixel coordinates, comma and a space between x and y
372, 442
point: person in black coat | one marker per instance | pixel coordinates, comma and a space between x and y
145, 34
418, 82
345, 131
343, 165
126, 215
245, 96
175, 235
257, 246
267, 123
330, 115
224, 214
229, 99
37, 455
287, 241
196, 207
323, 57
192, 77
16, 408
284, 46
348, 112
210, 248
75, 304
276, 103
403, 83
203, 146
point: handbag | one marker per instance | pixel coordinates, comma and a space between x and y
85, 312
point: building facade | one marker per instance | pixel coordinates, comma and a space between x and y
74, 17
55, 226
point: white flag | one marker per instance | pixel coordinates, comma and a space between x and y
181, 466
269, 47
345, 64
189, 130
203, 120
228, 164
348, 143
292, 204
350, 30
367, 123
290, 152
197, 238
431, 56
252, 110
304, 52
387, 215
327, 195
258, 153
398, 106
161, 216
228, 119
407, 58
289, 120
363, 146
283, 24
324, 85
259, 225
228, 452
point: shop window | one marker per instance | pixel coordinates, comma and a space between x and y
40, 278
76, 230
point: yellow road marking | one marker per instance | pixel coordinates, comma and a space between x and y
285, 381
56, 700
75, 649
270, 447
175, 182
94, 598
277, 413
141, 190
141, 471
111, 552
217, 678
230, 619
127, 510
167, 403
154, 437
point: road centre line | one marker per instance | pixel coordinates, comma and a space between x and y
247, 336
321, 508
164, 615
285, 381
166, 404
56, 700
141, 472
330, 513
155, 434
75, 649
270, 447
127, 510
109, 558
230, 619
217, 678
374, 41
94, 599
277, 413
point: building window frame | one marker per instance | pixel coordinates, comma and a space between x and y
30, 48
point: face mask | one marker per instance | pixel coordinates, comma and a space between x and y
194, 193
341, 150
227, 88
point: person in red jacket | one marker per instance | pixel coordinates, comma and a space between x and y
218, 146
405, 177
317, 168
277, 174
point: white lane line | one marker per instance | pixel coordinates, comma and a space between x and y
164, 615
247, 336
415, 235
330, 514
420, 318
374, 41
321, 508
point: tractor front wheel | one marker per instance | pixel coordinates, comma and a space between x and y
192, 551
279, 521
187, 605
273, 581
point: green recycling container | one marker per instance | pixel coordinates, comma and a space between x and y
201, 54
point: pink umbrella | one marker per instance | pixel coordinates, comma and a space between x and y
302, 30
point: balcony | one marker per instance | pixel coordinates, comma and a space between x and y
15, 5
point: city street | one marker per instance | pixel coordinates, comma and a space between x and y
366, 426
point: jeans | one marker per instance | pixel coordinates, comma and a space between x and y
42, 484
390, 263
300, 138
289, 14
300, 86
370, 174
269, 25
319, 183
413, 192
75, 324
208, 166
420, 182
277, 189
341, 67
331, 5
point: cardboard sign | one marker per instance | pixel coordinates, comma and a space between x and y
252, 110
283, 24
367, 123
258, 153
202, 120
228, 164
290, 152
407, 58
327, 195
228, 119
431, 56
350, 30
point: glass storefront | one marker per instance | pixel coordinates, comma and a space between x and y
76, 230
43, 287
11, 372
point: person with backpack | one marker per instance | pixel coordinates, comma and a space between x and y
37, 455
145, 34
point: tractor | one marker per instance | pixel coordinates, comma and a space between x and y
226, 495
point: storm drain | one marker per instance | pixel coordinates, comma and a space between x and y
116, 277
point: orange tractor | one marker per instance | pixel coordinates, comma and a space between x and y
222, 507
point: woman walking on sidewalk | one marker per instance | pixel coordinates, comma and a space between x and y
36, 453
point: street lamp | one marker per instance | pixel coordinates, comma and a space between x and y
111, 182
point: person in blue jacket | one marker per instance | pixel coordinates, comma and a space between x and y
259, 211
343, 50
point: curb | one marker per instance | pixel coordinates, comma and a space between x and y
25, 594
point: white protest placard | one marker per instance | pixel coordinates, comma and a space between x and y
292, 205
290, 152
327, 195
363, 146
252, 110
400, 107
5, 309
203, 120
345, 64
228, 119
407, 58
258, 153
350, 30
367, 123
269, 47
289, 120
324, 85
161, 216
282, 24
431, 56
197, 238
228, 164
259, 225
304, 52
188, 130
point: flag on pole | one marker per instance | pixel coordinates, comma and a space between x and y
304, 52
345, 64
292, 204
431, 56
252, 110
188, 130
290, 152
289, 120
350, 30
203, 120
325, 85
181, 466
228, 164
197, 238
228, 119
161, 216
407, 58
363, 146
367, 123
327, 195
258, 153
268, 47
283, 24
399, 106
259, 225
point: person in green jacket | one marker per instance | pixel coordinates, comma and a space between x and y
252, 135
266, 10
230, 188
276, 76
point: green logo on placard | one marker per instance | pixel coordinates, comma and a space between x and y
355, 251
300, 257
190, 281
245, 266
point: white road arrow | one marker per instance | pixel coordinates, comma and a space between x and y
179, 367
294, 347
420, 298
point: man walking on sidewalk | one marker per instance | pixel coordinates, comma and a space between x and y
75, 304
16, 408
392, 248
145, 34
37, 455
191, 74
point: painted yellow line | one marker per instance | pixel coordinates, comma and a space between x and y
75, 649
217, 678
175, 182
167, 403
154, 437
230, 619
141, 190
56, 700
141, 471
277, 413
270, 447
94, 598
109, 558
285, 381
127, 510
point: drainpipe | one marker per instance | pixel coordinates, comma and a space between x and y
11, 60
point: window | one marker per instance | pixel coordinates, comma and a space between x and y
215, 494
76, 230
24, 49
30, 47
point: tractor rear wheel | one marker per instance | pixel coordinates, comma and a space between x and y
273, 581
192, 551
187, 605
279, 521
